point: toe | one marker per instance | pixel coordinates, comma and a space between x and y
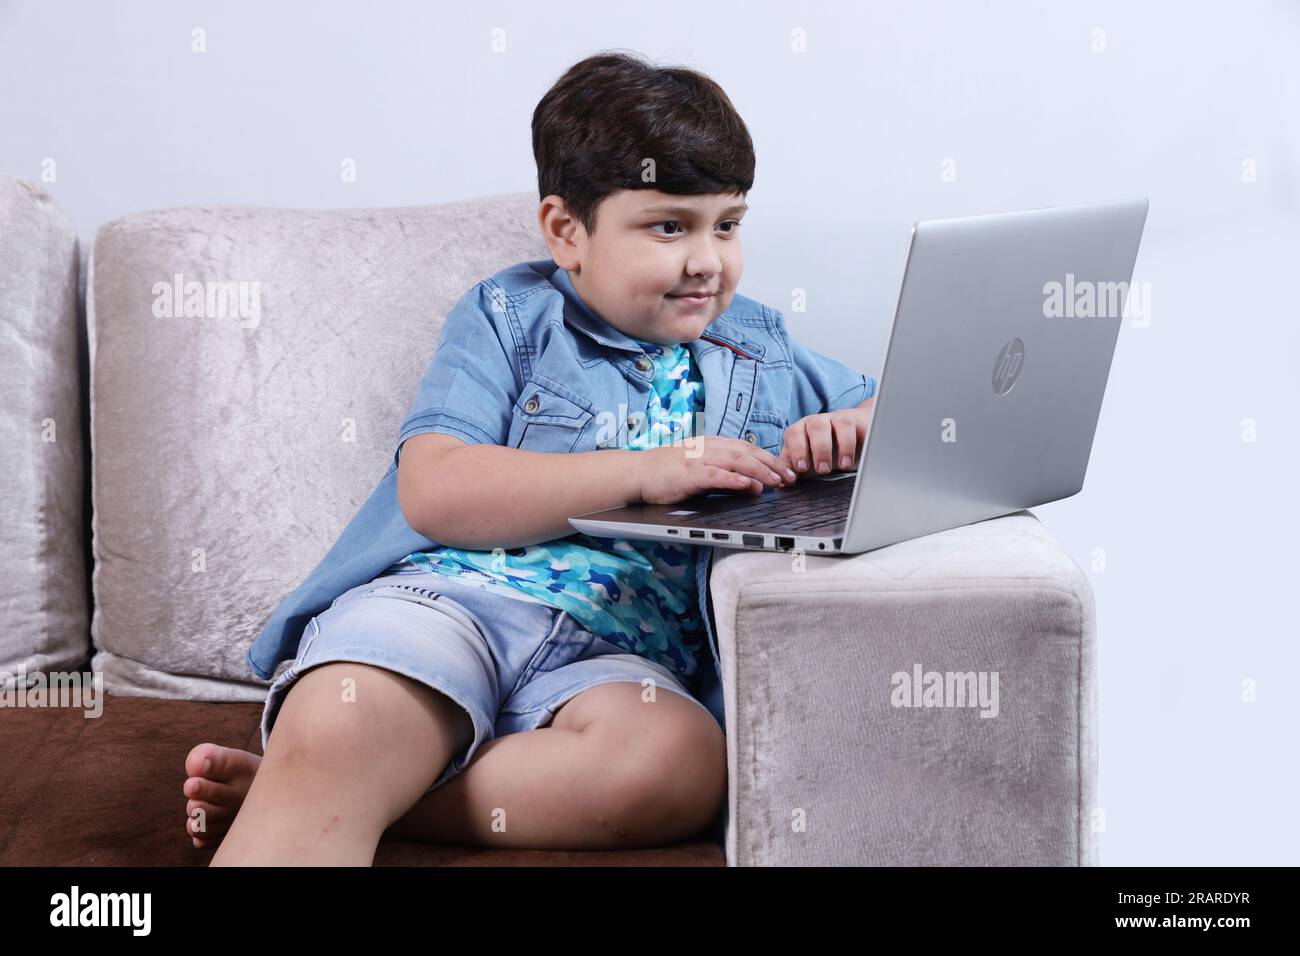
211, 811
214, 820
218, 794
196, 761
223, 764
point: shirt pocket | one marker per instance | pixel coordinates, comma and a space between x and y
767, 430
547, 416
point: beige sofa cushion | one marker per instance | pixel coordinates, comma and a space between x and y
42, 479
230, 451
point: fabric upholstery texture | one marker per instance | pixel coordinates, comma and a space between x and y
108, 793
230, 450
824, 769
45, 603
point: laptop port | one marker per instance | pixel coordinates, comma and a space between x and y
752, 540
722, 536
785, 544
672, 531
696, 534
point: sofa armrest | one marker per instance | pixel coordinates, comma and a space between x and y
852, 740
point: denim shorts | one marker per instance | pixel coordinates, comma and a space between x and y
509, 662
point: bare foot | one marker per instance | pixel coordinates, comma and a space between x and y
219, 787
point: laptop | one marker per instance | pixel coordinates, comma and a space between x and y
987, 404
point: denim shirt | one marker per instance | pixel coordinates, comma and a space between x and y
523, 362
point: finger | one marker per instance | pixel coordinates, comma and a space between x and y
771, 461
722, 477
787, 465
744, 458
869, 406
819, 442
796, 444
846, 440
774, 461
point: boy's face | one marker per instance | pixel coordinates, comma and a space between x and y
648, 248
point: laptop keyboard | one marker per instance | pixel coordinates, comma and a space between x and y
788, 512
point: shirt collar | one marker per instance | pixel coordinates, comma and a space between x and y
584, 318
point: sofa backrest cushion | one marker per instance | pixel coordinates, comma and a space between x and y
250, 369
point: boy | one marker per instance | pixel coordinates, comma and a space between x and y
467, 668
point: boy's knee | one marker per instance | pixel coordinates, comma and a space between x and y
319, 710
348, 707
672, 784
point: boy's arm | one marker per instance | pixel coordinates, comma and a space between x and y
457, 481
481, 496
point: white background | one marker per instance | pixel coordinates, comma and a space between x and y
1198, 527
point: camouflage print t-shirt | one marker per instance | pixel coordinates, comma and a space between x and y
640, 595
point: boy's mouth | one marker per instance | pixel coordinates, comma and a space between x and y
693, 300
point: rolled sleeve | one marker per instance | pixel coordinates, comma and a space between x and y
820, 383
471, 384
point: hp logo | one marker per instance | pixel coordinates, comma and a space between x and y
1006, 370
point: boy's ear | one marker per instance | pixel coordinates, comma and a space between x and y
559, 232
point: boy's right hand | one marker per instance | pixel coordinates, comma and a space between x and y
670, 473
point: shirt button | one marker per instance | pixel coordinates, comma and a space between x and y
643, 364
751, 438
532, 405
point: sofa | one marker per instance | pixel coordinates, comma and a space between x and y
175, 464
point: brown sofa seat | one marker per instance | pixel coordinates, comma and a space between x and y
106, 791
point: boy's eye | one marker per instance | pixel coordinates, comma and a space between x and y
735, 224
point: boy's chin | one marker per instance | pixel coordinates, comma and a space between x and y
697, 319
676, 329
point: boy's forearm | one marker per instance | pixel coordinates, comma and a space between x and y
488, 496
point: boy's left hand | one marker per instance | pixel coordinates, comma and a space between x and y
829, 441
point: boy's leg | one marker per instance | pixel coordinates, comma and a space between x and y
613, 769
353, 747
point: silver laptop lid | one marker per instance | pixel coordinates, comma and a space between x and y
996, 367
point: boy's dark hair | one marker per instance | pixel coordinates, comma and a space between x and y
594, 129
